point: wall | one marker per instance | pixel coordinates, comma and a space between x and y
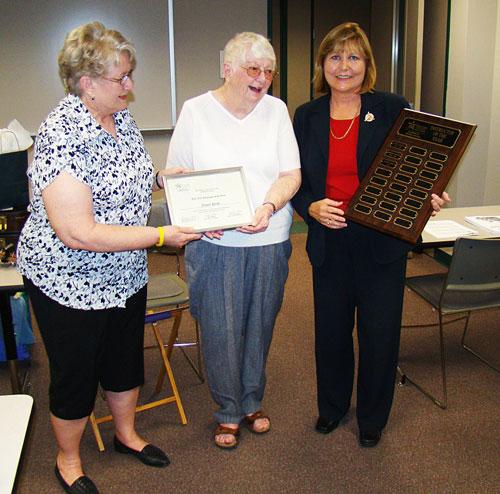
473, 96
201, 30
299, 53
473, 78
414, 32
473, 93
434, 57
30, 42
492, 185
380, 35
374, 16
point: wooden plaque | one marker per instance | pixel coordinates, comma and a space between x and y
417, 159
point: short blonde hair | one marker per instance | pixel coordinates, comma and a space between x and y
348, 34
91, 50
236, 48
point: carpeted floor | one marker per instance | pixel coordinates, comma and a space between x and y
423, 450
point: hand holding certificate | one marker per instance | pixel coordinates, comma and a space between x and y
209, 200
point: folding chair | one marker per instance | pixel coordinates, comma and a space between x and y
169, 290
167, 298
151, 318
472, 283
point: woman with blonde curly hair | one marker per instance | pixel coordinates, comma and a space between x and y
82, 250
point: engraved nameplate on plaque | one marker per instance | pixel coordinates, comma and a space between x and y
417, 159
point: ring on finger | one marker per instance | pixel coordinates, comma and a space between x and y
328, 222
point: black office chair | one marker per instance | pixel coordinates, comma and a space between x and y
472, 283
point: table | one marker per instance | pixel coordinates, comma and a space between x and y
15, 413
10, 283
458, 214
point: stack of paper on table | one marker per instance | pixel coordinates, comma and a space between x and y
448, 229
488, 223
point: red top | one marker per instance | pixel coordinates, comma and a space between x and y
342, 176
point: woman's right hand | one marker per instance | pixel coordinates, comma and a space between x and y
177, 236
328, 213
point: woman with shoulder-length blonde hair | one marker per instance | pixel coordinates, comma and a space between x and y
358, 272
82, 250
348, 35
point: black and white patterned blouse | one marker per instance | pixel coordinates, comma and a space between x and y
120, 176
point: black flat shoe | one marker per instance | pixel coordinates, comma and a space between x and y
325, 426
82, 485
369, 439
150, 455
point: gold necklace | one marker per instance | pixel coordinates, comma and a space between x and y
347, 131
350, 125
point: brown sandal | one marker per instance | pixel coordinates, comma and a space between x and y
250, 419
221, 429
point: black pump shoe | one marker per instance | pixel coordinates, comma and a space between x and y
150, 455
82, 485
325, 426
369, 439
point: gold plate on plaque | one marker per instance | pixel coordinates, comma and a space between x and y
417, 159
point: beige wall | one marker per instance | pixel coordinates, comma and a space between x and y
434, 56
381, 41
473, 88
202, 29
374, 16
492, 186
474, 96
473, 93
412, 77
299, 53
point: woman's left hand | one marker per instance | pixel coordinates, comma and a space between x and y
260, 220
214, 234
174, 170
437, 202
158, 182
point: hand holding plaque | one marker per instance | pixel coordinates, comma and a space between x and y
417, 159
209, 200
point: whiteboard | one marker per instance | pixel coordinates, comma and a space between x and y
33, 33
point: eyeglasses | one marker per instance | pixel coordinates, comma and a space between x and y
254, 72
122, 80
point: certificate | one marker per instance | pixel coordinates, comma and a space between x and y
209, 200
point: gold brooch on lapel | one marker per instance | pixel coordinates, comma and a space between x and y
369, 117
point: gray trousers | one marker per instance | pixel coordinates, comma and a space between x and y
235, 294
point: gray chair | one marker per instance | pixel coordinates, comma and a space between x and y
472, 283
168, 290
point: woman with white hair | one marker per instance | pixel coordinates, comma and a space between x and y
236, 277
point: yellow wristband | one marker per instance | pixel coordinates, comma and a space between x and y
162, 237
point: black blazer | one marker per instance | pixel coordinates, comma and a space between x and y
311, 124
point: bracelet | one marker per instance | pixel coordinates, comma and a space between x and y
272, 204
162, 237
156, 179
